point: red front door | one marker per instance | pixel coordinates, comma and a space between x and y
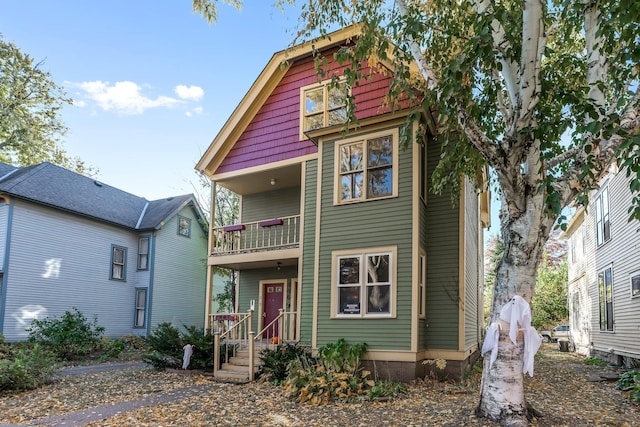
273, 296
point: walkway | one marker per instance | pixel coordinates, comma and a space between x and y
87, 416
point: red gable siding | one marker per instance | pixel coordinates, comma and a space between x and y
273, 134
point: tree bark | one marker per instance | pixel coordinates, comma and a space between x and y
524, 234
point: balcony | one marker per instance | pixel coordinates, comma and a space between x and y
235, 243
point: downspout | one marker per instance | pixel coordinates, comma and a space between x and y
152, 258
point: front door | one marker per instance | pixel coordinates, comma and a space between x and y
273, 297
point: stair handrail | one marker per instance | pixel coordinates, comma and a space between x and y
240, 333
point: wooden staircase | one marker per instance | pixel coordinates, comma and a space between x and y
236, 368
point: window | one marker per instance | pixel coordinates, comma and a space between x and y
605, 291
366, 168
423, 171
635, 284
364, 283
323, 105
118, 262
143, 253
603, 228
422, 281
184, 226
140, 309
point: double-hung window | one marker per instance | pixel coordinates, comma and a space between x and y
323, 104
140, 308
364, 283
605, 292
118, 262
635, 284
143, 253
366, 168
603, 228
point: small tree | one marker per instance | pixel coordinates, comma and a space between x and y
69, 336
30, 105
549, 305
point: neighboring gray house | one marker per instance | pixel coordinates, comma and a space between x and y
68, 241
604, 274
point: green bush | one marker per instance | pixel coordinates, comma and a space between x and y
166, 344
69, 336
25, 367
630, 381
275, 362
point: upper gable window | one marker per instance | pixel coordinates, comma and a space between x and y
366, 168
323, 105
184, 226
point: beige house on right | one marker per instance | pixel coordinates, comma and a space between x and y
604, 274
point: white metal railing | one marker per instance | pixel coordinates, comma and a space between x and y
253, 236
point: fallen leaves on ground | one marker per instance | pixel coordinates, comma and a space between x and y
559, 389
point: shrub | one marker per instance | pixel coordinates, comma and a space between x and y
630, 381
275, 363
166, 343
25, 368
69, 336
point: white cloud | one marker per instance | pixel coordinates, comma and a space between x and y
197, 110
192, 93
124, 97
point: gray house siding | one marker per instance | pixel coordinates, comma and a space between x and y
308, 255
361, 225
179, 274
622, 254
442, 248
4, 219
47, 277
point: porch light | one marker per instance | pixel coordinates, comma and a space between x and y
278, 265
273, 181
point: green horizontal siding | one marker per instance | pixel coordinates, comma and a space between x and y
361, 225
271, 204
308, 254
442, 228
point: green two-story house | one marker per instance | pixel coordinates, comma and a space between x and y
338, 234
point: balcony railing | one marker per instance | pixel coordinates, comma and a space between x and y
274, 233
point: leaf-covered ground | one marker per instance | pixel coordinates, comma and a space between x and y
560, 389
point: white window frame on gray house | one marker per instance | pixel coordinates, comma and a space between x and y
605, 298
634, 280
118, 263
603, 225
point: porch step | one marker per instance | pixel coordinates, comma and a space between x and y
232, 376
238, 368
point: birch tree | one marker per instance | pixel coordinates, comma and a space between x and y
543, 92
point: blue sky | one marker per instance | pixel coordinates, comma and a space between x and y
152, 82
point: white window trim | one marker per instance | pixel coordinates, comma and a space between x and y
600, 295
362, 253
189, 221
600, 227
631, 276
362, 138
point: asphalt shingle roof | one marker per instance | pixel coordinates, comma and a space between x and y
57, 187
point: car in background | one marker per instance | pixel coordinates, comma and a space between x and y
558, 332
